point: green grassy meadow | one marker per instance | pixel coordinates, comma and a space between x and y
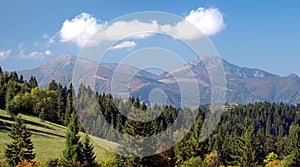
48, 138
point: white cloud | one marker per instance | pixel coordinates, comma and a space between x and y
124, 44
209, 21
123, 29
4, 54
78, 30
36, 55
33, 55
45, 36
48, 53
51, 39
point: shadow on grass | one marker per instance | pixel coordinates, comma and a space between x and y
38, 124
43, 132
42, 135
56, 125
6, 126
8, 118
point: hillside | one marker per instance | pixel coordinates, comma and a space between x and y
244, 85
48, 138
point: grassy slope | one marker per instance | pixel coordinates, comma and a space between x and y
48, 138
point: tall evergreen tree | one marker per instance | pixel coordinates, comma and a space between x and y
33, 82
21, 147
8, 95
21, 80
61, 102
73, 150
292, 149
247, 149
14, 76
52, 85
69, 105
10, 105
137, 147
88, 153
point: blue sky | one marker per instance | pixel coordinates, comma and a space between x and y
256, 34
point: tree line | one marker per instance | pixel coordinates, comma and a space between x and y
54, 103
259, 134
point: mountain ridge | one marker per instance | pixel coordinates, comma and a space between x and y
244, 85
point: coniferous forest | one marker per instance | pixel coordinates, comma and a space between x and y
258, 134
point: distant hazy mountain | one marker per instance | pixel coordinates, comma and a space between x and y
244, 85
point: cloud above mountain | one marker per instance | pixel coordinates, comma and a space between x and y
124, 44
4, 54
210, 21
79, 29
35, 55
199, 22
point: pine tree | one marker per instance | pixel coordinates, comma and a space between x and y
88, 153
247, 148
21, 148
33, 82
14, 76
69, 106
73, 150
52, 85
8, 95
21, 80
61, 102
10, 105
292, 149
138, 147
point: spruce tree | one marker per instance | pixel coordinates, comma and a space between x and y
292, 149
33, 82
73, 150
14, 76
88, 153
21, 80
62, 102
52, 85
8, 96
136, 148
69, 105
247, 148
21, 147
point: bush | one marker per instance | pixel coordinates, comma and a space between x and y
195, 161
27, 163
270, 157
52, 162
3, 162
275, 163
212, 159
68, 163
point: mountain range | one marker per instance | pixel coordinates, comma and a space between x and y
244, 85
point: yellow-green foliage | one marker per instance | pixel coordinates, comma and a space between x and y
270, 157
194, 161
212, 159
27, 163
275, 163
